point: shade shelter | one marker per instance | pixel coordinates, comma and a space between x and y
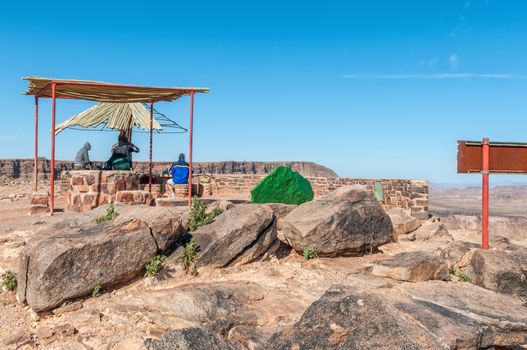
114, 116
104, 92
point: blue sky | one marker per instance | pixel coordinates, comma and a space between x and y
369, 89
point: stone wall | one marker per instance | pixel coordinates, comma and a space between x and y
407, 194
85, 190
88, 189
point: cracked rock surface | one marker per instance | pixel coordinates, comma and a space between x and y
67, 259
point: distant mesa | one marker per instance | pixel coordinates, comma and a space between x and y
307, 169
23, 168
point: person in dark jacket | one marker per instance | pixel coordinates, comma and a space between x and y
179, 172
82, 159
121, 158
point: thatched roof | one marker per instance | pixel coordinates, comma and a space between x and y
105, 92
119, 116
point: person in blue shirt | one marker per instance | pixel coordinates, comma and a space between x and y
179, 172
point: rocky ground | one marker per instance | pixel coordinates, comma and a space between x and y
507, 201
460, 209
431, 289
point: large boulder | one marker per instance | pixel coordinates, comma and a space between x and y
238, 236
187, 339
166, 225
412, 267
69, 258
216, 306
466, 316
282, 185
498, 270
347, 318
348, 221
221, 204
350, 317
432, 231
280, 211
403, 223
454, 252
242, 312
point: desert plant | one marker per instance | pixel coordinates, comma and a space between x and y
190, 255
463, 277
9, 281
310, 253
97, 290
110, 215
155, 265
199, 215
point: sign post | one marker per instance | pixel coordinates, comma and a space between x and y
485, 171
486, 157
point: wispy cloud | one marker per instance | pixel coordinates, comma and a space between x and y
438, 76
430, 63
453, 59
10, 137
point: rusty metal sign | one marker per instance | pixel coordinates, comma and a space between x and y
505, 157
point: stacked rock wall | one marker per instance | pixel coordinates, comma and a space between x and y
403, 193
88, 189
94, 190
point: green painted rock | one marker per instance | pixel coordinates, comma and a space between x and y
282, 185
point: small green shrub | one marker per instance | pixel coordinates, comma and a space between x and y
97, 290
199, 216
110, 215
9, 281
190, 255
310, 253
155, 265
462, 277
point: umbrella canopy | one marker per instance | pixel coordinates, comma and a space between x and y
117, 116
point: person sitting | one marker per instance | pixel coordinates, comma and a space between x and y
121, 158
82, 159
179, 172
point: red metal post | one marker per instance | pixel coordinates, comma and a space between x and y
35, 162
190, 149
150, 163
52, 166
485, 195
